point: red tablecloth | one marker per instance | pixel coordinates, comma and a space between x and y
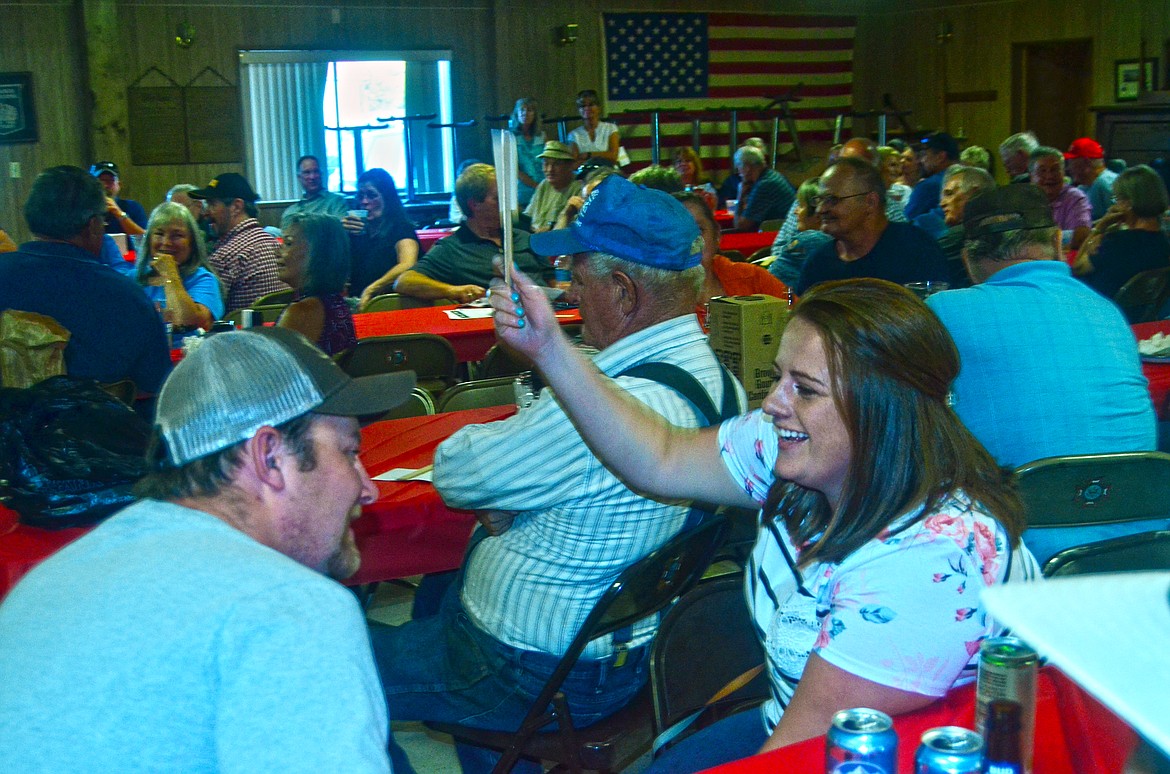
22, 548
470, 338
408, 531
1074, 734
428, 236
725, 219
747, 242
1158, 374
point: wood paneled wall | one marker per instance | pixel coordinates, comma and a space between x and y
902, 56
504, 49
42, 38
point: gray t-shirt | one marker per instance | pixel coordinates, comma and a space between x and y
166, 640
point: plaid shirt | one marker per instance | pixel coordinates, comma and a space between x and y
245, 262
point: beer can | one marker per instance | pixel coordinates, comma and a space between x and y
1007, 670
861, 741
949, 750
246, 319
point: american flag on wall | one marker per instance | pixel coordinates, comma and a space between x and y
693, 61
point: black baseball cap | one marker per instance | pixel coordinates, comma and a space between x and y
100, 167
226, 187
1008, 208
941, 141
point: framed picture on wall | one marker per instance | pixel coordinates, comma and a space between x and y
1129, 79
18, 120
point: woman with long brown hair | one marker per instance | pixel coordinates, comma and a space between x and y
881, 515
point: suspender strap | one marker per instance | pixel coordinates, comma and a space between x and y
688, 386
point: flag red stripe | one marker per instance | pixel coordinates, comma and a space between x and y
760, 91
771, 20
779, 44
717, 139
639, 118
779, 68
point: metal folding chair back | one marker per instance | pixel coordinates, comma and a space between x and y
1143, 295
480, 393
419, 404
277, 298
707, 640
1144, 552
431, 357
392, 302
502, 360
1095, 489
643, 589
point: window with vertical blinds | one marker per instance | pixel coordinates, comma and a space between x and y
335, 105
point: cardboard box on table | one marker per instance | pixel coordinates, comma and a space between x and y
745, 334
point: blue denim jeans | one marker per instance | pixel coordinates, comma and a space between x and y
731, 739
443, 668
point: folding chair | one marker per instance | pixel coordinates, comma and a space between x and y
502, 360
1144, 552
762, 257
706, 641
431, 358
643, 589
480, 393
1094, 489
774, 224
276, 298
392, 302
1143, 295
419, 404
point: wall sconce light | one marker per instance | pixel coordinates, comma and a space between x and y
566, 34
185, 35
944, 34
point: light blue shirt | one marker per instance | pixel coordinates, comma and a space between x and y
529, 161
1100, 193
1049, 368
167, 641
201, 285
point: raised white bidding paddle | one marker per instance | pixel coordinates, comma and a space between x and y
507, 189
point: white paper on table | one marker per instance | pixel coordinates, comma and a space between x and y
404, 474
468, 313
1155, 346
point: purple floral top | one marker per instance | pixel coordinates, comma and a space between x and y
338, 334
902, 610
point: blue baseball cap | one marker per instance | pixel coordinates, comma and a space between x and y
630, 222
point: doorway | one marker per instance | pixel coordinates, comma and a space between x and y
1051, 86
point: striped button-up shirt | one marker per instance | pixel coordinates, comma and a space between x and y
579, 526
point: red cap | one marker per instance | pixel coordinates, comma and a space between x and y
1085, 148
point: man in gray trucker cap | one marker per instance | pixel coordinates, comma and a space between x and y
195, 630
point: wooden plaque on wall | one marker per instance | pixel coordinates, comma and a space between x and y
18, 118
158, 125
214, 129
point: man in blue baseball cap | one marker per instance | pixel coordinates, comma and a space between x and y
563, 526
